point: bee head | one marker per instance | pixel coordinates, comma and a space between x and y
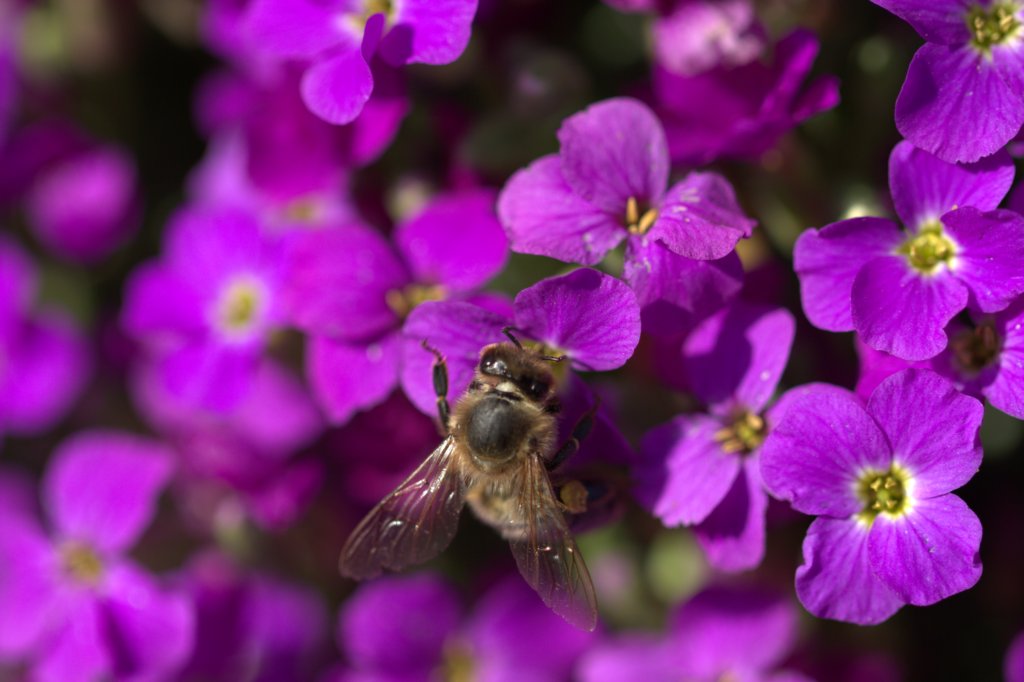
505, 362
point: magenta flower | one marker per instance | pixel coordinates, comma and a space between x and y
44, 359
899, 288
964, 93
609, 183
878, 476
72, 604
1013, 668
702, 469
754, 104
206, 307
338, 38
720, 634
351, 290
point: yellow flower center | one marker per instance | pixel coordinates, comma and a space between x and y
240, 306
457, 664
81, 563
928, 249
975, 349
883, 492
370, 8
744, 435
993, 25
402, 301
637, 221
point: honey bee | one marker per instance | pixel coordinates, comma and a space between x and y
499, 446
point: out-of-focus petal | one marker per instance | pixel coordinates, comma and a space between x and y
336, 88
350, 376
732, 536
29, 568
428, 32
78, 648
295, 28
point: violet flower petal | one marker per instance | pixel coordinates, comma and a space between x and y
350, 376
683, 473
733, 534
77, 649
700, 218
428, 32
102, 486
456, 241
836, 579
337, 88
813, 456
295, 28
28, 584
937, 21
736, 357
924, 187
211, 375
828, 260
932, 427
930, 552
904, 312
991, 255
593, 317
542, 215
613, 151
1006, 392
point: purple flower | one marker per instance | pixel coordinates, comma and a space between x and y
721, 633
338, 38
589, 317
899, 288
71, 602
964, 93
702, 469
609, 183
879, 476
1013, 668
251, 626
44, 360
206, 307
754, 104
351, 290
83, 207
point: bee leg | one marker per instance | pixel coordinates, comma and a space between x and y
579, 432
440, 386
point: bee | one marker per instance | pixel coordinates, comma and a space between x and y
499, 445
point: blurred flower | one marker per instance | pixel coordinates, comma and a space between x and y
899, 288
206, 308
609, 182
754, 104
249, 626
703, 469
889, 532
71, 602
349, 289
1013, 668
720, 634
964, 93
408, 629
44, 359
339, 38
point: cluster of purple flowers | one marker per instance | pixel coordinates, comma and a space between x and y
275, 337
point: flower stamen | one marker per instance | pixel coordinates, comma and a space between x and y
975, 349
81, 563
928, 249
745, 434
883, 492
637, 222
402, 301
994, 25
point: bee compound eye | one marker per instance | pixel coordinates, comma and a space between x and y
538, 388
495, 366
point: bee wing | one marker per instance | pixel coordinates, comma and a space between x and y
547, 554
411, 525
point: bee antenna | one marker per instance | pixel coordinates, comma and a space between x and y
507, 331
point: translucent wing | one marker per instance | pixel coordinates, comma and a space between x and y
547, 554
412, 524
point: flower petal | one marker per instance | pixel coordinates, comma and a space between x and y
102, 486
456, 241
955, 105
930, 552
459, 330
732, 536
349, 376
673, 291
28, 576
613, 151
836, 579
1006, 392
932, 427
904, 312
544, 216
991, 257
294, 28
158, 303
828, 260
210, 375
924, 187
149, 631
336, 88
700, 218
684, 474
77, 650
337, 282
592, 317
736, 357
428, 32
937, 21
814, 454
